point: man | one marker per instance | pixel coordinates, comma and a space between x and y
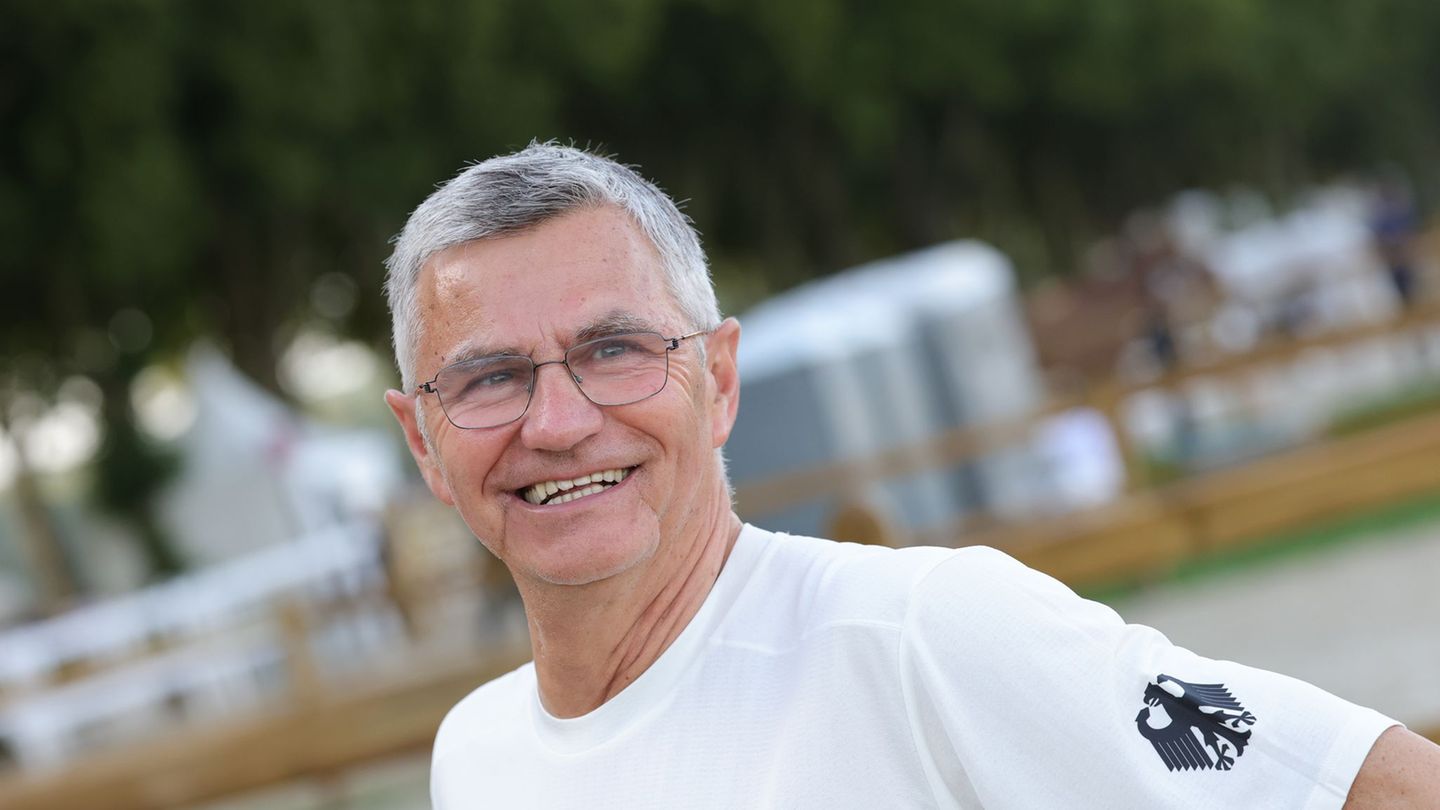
568, 384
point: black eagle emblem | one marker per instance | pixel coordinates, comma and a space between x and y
1201, 726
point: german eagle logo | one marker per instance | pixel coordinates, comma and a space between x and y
1197, 725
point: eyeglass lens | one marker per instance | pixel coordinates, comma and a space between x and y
493, 391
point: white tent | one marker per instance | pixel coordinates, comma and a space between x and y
256, 473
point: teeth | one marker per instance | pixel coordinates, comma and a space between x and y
579, 493
574, 488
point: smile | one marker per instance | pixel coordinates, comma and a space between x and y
558, 492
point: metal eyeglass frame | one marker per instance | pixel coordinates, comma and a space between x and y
428, 387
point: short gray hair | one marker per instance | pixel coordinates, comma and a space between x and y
511, 193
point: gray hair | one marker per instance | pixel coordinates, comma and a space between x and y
511, 193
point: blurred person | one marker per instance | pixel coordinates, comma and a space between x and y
1175, 288
568, 384
1394, 228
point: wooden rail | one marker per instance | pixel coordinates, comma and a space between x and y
1144, 535
959, 445
1158, 525
316, 736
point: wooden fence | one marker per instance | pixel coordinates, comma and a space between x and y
318, 735
1152, 527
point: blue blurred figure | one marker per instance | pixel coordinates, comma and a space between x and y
1394, 227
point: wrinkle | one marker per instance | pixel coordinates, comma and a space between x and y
663, 620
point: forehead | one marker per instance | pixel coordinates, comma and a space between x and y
539, 286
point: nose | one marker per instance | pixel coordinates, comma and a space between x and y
560, 415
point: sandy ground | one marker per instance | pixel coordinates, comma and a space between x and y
1361, 620
399, 784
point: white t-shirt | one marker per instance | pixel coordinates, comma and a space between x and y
830, 675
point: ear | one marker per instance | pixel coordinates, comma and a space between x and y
720, 353
405, 408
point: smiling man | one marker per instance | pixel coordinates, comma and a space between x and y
568, 384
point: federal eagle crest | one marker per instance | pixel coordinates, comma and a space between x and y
1199, 725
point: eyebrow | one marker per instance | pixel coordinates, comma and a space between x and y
614, 322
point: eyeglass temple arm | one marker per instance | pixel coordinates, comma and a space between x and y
675, 341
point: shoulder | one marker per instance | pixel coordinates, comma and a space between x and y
487, 713
982, 596
828, 581
991, 575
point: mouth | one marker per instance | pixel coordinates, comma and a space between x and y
549, 493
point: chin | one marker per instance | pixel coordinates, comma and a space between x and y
584, 561
585, 571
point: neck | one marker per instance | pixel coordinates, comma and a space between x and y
592, 641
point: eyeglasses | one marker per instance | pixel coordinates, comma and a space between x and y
496, 390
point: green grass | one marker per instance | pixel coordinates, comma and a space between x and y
1371, 526
1415, 401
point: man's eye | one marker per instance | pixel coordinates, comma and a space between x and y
611, 349
489, 381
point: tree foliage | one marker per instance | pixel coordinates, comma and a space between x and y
205, 163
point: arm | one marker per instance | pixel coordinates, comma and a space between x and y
1402, 770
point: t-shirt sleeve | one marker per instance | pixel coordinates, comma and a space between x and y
1021, 694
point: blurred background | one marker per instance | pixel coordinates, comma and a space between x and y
1142, 292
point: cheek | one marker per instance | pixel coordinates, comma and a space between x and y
684, 433
468, 460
